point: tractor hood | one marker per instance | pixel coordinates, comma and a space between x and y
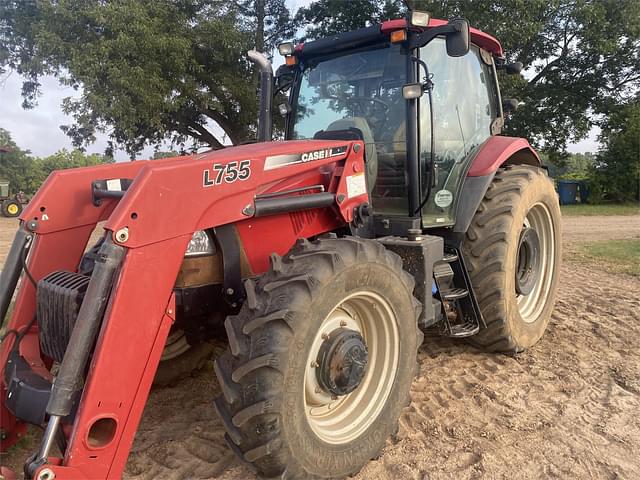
279, 154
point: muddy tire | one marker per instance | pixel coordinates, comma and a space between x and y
11, 208
279, 414
513, 253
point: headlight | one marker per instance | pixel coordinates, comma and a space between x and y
200, 244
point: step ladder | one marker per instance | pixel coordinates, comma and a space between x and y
461, 316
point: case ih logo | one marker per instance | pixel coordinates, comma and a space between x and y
318, 155
278, 161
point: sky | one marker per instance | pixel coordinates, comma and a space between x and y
38, 129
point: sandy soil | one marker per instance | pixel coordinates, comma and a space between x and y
566, 408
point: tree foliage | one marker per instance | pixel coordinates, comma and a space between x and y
616, 174
15, 163
583, 56
176, 69
26, 173
147, 71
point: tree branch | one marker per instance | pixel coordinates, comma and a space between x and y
222, 122
204, 135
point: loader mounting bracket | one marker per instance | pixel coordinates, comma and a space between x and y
228, 242
27, 392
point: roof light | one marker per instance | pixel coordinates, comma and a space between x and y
419, 19
286, 49
398, 36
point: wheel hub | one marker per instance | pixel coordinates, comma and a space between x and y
528, 266
342, 361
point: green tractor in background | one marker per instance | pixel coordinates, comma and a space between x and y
10, 206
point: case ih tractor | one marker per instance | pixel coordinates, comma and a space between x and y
393, 207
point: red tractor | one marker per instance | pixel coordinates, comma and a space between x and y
392, 208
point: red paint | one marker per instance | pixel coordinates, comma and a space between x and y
389, 26
497, 150
170, 202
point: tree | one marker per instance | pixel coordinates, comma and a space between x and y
582, 55
27, 173
147, 71
324, 18
270, 19
15, 163
616, 175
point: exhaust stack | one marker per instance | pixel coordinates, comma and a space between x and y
265, 125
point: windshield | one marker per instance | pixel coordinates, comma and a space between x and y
361, 92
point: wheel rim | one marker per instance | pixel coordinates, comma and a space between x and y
531, 305
176, 345
341, 419
12, 209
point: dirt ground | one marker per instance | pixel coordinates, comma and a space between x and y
566, 408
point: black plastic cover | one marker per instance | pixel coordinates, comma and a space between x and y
59, 298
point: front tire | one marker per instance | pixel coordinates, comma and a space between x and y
513, 253
287, 405
180, 359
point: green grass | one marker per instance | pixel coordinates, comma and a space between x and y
617, 256
602, 209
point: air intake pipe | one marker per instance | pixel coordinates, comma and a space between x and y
265, 125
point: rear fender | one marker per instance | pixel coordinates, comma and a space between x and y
496, 152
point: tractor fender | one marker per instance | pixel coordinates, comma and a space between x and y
494, 153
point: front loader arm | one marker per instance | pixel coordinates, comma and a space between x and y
152, 223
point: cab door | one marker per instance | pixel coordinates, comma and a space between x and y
465, 107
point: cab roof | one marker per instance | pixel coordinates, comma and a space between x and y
376, 33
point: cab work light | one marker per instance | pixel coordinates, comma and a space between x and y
419, 19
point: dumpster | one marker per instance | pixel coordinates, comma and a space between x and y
567, 190
583, 189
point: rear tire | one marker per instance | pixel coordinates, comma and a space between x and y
273, 415
500, 264
11, 208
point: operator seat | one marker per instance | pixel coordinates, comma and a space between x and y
371, 156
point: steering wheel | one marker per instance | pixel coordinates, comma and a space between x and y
371, 108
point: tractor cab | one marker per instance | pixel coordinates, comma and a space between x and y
422, 97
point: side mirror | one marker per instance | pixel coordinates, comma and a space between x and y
284, 77
458, 40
